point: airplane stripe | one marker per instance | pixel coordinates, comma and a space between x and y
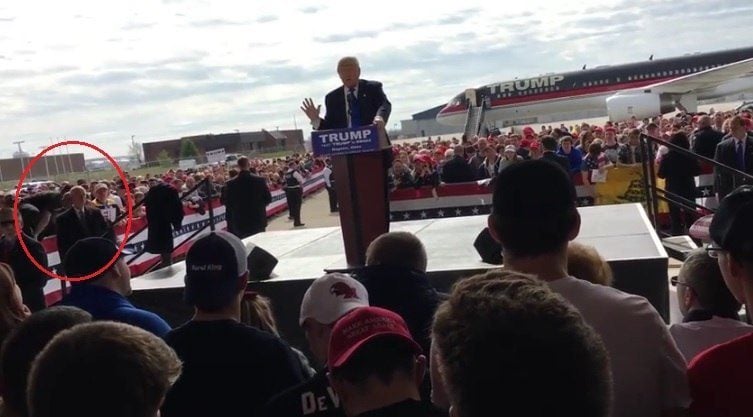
562, 94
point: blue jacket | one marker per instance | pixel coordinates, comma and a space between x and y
575, 157
104, 304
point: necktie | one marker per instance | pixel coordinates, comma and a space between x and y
353, 109
740, 156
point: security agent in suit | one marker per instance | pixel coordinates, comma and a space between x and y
329, 182
28, 277
357, 103
246, 199
79, 222
294, 192
736, 151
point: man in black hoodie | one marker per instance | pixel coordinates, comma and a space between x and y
395, 279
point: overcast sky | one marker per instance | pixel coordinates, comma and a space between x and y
102, 71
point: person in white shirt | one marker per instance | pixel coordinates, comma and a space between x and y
710, 311
329, 183
534, 216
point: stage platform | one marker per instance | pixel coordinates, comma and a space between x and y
621, 233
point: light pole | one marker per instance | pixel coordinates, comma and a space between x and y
57, 168
70, 164
46, 166
21, 155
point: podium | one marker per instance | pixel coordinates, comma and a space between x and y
359, 158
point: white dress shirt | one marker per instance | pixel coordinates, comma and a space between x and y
694, 337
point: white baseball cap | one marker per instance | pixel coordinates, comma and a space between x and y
331, 297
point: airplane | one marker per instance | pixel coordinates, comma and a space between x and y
640, 90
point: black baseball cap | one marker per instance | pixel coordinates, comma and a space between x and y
531, 190
732, 225
213, 265
89, 255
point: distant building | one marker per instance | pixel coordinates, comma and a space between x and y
246, 143
425, 124
46, 167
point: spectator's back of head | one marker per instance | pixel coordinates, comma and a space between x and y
23, 345
256, 311
397, 249
533, 209
584, 262
371, 350
102, 369
730, 230
703, 278
506, 342
549, 143
328, 299
243, 163
704, 121
216, 272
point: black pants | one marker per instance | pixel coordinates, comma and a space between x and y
295, 200
332, 198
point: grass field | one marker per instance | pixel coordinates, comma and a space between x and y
109, 174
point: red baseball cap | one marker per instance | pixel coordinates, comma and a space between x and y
361, 326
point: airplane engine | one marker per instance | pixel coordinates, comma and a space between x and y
641, 105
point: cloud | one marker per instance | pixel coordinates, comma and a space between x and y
209, 66
215, 22
267, 19
459, 17
137, 25
312, 9
343, 37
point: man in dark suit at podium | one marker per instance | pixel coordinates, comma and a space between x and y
357, 103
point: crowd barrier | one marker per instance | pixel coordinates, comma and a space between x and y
624, 184
192, 221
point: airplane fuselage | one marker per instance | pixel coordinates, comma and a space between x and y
589, 89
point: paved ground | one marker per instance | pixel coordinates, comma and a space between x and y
314, 213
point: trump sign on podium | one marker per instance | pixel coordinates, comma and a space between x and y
345, 141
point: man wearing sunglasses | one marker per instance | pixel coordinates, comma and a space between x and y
721, 377
709, 310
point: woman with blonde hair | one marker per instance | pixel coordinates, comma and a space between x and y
584, 262
12, 308
256, 311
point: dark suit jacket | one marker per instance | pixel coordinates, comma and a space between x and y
679, 170
163, 209
557, 159
246, 200
70, 230
28, 277
371, 100
705, 141
457, 170
725, 182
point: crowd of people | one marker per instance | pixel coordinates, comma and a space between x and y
587, 152
544, 335
382, 341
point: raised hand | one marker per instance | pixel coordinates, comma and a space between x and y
312, 111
